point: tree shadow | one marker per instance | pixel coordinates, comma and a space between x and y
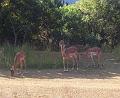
110, 70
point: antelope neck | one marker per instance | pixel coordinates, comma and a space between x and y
63, 50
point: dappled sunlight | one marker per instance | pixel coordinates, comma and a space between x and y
110, 70
59, 74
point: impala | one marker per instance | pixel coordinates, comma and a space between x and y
70, 53
19, 62
93, 53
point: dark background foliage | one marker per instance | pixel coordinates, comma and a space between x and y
43, 23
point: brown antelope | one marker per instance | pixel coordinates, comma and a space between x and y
70, 53
93, 53
19, 62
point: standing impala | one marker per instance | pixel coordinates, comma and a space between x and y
94, 53
70, 53
19, 62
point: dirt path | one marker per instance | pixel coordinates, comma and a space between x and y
59, 88
58, 84
85, 83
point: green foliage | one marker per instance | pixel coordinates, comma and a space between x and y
106, 48
73, 26
34, 59
92, 40
91, 8
43, 59
38, 21
43, 23
116, 52
7, 53
102, 16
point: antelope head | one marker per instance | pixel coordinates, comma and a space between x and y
61, 43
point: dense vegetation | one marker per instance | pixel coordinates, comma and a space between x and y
39, 21
42, 23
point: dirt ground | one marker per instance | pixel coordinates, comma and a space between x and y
85, 83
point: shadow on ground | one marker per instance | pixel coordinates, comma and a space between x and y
110, 70
87, 73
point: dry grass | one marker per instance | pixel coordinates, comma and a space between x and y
85, 83
59, 88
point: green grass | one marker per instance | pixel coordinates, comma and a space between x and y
106, 49
116, 52
34, 59
39, 59
43, 59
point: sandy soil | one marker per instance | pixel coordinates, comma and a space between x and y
85, 83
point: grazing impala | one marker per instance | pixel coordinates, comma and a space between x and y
94, 53
70, 53
19, 62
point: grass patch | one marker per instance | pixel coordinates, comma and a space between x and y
34, 59
44, 60
116, 52
106, 49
